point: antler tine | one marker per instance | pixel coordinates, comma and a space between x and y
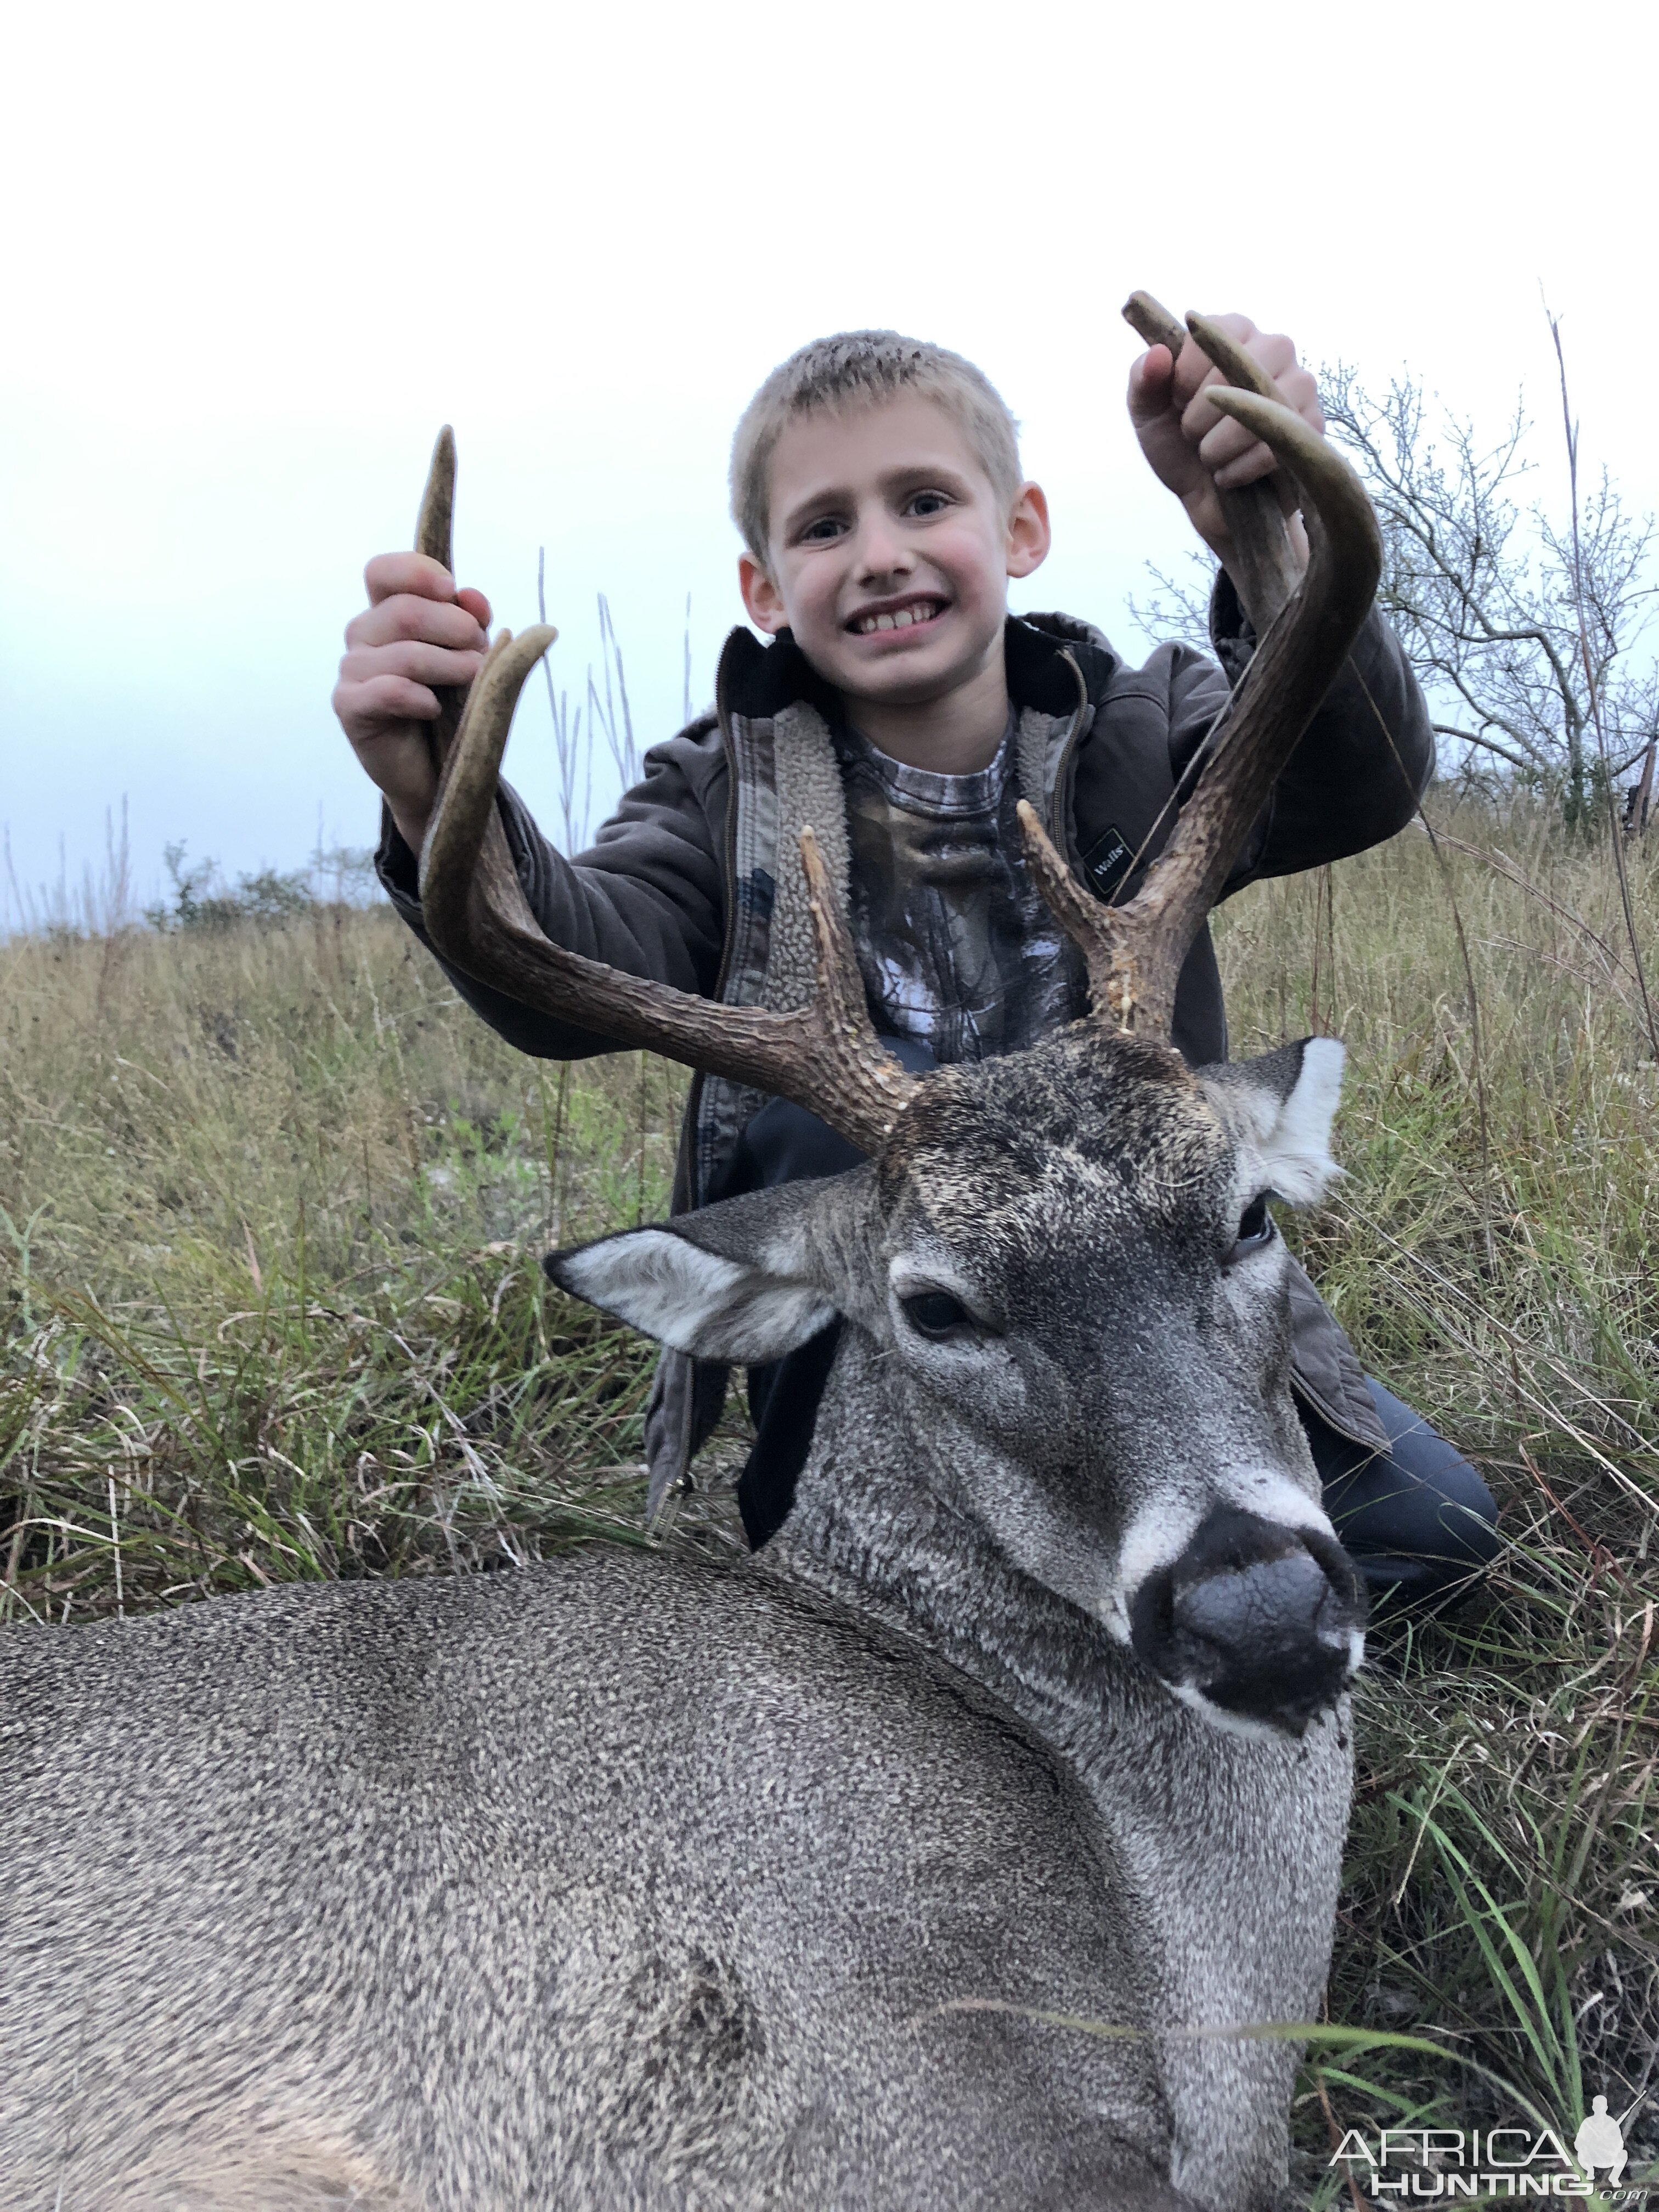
434, 536
825, 1057
846, 1047
1134, 953
435, 528
1100, 932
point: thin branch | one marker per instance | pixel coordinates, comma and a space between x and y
1523, 761
1572, 429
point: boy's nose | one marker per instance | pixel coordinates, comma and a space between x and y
881, 552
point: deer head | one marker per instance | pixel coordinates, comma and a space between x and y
1065, 1288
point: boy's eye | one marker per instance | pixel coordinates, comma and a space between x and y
928, 502
821, 531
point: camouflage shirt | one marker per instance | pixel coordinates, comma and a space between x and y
957, 949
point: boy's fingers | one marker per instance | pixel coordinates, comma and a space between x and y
390, 573
413, 658
1234, 458
1194, 368
407, 616
373, 708
413, 575
1198, 420
1276, 355
1150, 380
1228, 443
1226, 448
386, 720
1250, 468
1299, 388
1194, 449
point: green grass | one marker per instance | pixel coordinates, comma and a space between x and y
271, 1204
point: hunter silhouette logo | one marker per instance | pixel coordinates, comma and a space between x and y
1601, 2143
1482, 2163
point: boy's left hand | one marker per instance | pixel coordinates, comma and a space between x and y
1193, 447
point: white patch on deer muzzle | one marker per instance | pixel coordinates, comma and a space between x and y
1155, 1538
692, 1300
1218, 1716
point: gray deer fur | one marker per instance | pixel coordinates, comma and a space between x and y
634, 1881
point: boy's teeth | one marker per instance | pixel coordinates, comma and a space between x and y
902, 620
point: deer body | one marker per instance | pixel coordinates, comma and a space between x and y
373, 1889
628, 1882
616, 1882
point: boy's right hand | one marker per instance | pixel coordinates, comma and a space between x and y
417, 631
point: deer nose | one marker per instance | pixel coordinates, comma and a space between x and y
1259, 1621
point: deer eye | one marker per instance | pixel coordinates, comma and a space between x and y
936, 1313
1256, 1228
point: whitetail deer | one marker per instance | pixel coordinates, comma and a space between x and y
632, 1880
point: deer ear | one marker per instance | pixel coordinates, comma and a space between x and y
1282, 1108
742, 1282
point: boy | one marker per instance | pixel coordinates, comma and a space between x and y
875, 481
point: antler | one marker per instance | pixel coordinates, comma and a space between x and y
825, 1057
434, 536
1134, 953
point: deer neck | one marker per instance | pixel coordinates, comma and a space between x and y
1226, 1851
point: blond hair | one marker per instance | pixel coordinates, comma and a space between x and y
854, 369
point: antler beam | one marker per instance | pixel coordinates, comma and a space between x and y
1134, 953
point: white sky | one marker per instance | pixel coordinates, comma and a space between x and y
255, 258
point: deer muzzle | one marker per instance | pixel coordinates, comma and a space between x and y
1261, 1623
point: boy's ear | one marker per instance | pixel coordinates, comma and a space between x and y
1029, 535
761, 600
742, 1282
1281, 1106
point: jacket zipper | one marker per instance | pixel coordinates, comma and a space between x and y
1061, 826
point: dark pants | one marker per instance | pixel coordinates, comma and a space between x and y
1417, 1524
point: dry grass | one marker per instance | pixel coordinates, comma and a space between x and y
272, 1204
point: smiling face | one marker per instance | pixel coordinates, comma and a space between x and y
889, 551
